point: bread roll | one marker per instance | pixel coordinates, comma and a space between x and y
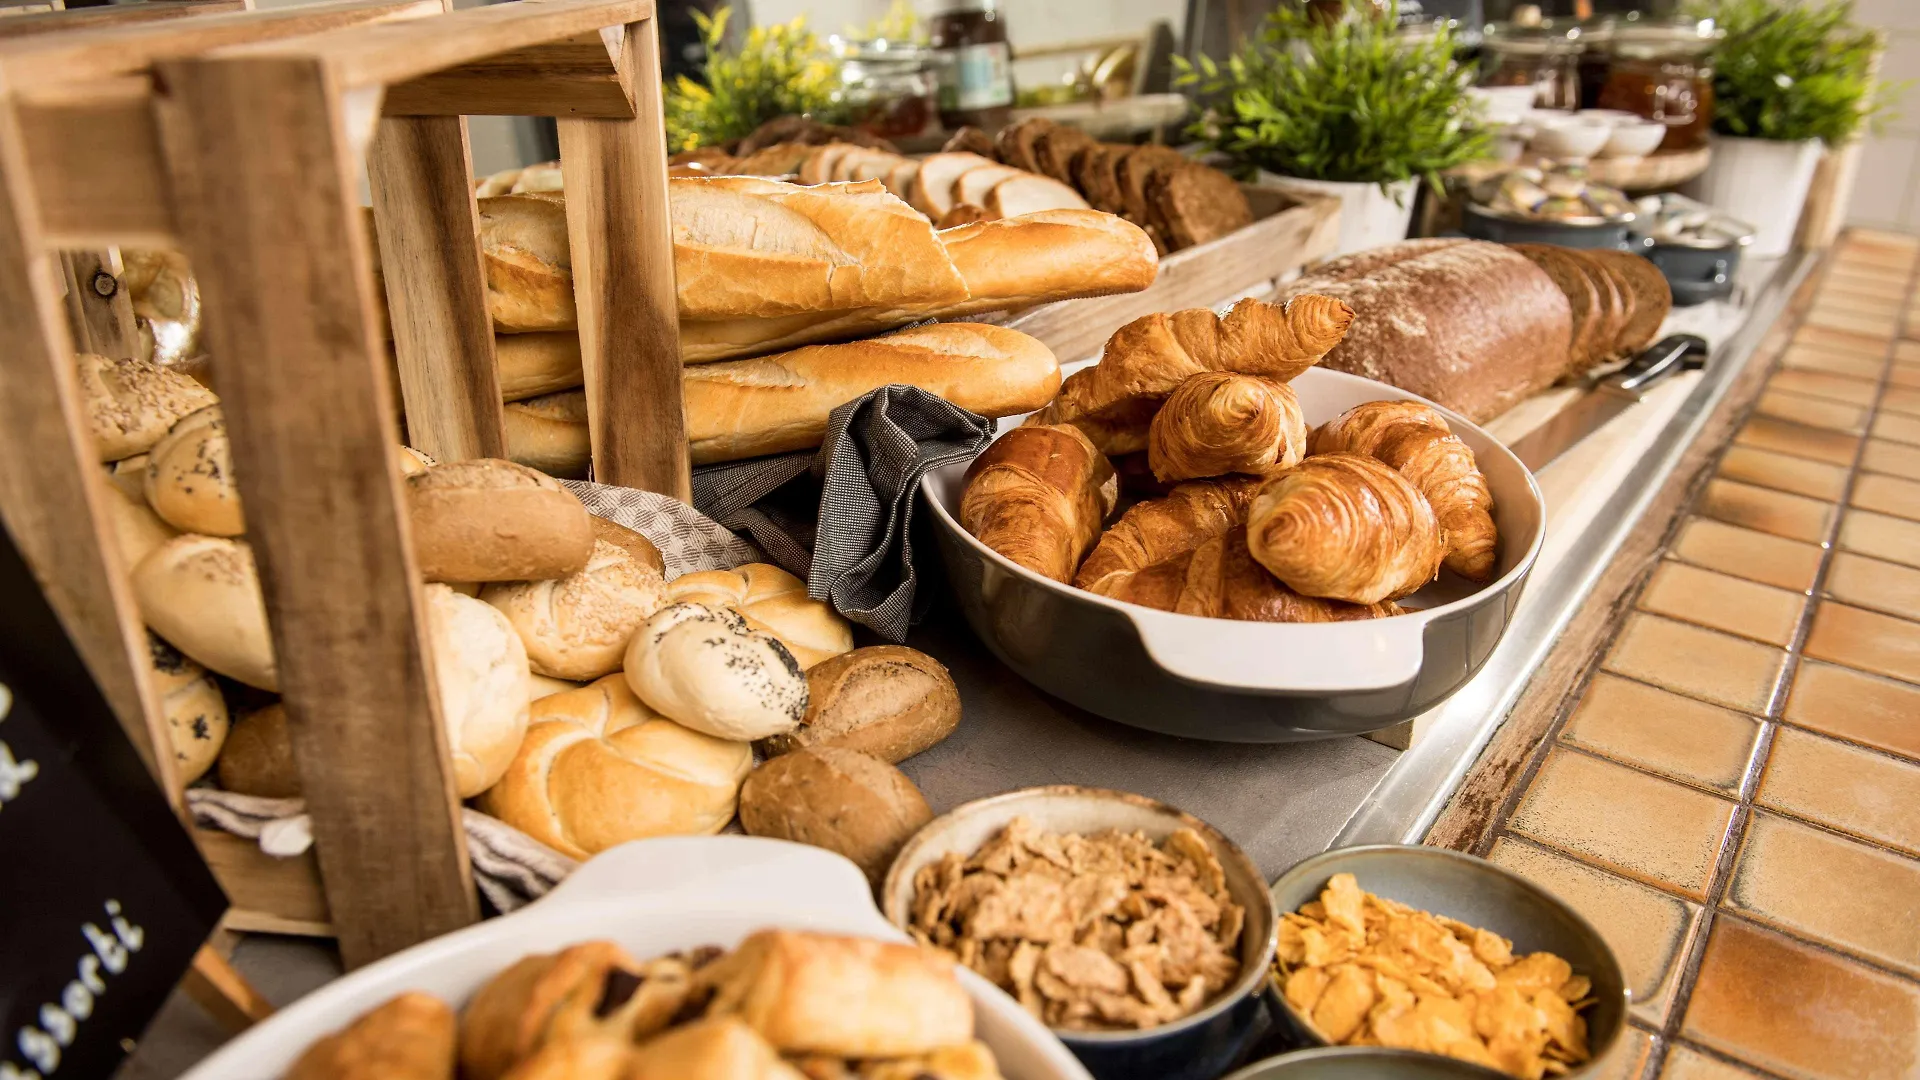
550, 433
774, 602
884, 700
744, 408
196, 713
189, 478
551, 999
1219, 422
410, 1037
848, 802
599, 768
130, 404
258, 757
202, 594
577, 627
547, 686
129, 475
707, 669
1219, 579
481, 670
1038, 496
535, 364
1158, 529
414, 462
136, 529
1345, 527
492, 520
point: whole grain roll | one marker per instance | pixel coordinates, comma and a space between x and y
492, 520
577, 627
202, 594
842, 800
130, 404
885, 700
258, 757
189, 479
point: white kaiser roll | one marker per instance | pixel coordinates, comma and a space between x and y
481, 669
196, 713
773, 601
599, 768
189, 479
202, 593
707, 669
577, 627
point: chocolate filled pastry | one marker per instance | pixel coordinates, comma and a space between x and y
1413, 439
1220, 580
1115, 400
1345, 527
1158, 529
1220, 422
1039, 496
408, 1038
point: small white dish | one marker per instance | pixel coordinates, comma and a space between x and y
1570, 140
1634, 140
1610, 117
1504, 104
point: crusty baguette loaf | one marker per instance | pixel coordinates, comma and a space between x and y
535, 364
549, 433
744, 408
523, 248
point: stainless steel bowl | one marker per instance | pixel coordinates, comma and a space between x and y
1243, 681
1362, 1063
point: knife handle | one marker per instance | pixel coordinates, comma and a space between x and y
1664, 358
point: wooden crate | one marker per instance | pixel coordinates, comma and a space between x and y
1288, 233
239, 139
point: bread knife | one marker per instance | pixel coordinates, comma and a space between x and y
1608, 398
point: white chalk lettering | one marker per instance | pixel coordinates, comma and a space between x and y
14, 774
60, 1022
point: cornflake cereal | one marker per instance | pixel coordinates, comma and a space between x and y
1367, 971
1090, 933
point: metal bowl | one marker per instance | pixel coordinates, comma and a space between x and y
1197, 1047
1486, 223
1244, 681
1479, 894
1362, 1063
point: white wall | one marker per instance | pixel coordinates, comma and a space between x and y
1886, 189
1029, 22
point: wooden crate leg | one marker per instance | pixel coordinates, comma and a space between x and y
49, 474
226, 994
616, 177
263, 176
436, 292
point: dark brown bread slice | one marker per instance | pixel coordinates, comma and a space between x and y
1609, 287
1571, 275
1015, 143
971, 140
1194, 203
1131, 170
1649, 298
1055, 149
1093, 176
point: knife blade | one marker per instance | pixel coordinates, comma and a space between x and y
1608, 398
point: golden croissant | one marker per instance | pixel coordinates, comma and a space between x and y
1158, 529
1345, 527
1413, 439
1220, 580
1220, 422
1114, 400
1038, 496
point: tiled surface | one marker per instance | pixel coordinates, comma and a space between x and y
1734, 797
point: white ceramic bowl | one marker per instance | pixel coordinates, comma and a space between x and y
1633, 139
652, 897
1504, 104
1573, 139
1609, 117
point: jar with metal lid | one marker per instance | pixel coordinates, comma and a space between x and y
1544, 56
975, 63
888, 87
1662, 71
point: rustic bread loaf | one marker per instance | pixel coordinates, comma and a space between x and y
842, 800
1648, 298
1191, 203
885, 700
1576, 280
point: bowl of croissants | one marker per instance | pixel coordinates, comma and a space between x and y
678, 958
1207, 535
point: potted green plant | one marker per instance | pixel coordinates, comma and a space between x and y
1345, 106
1789, 78
780, 70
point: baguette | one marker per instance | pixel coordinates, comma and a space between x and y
773, 404
536, 364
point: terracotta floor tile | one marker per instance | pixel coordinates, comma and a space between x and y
1849, 302
1898, 427
1865, 325
1905, 375
1686, 1063
1895, 245
1843, 787
1821, 385
1784, 472
1699, 663
1806, 358
1901, 399
1888, 495
1814, 884
1854, 705
1647, 828
1744, 608
1872, 286
1628, 1058
1871, 583
1891, 458
1883, 537
1814, 412
1874, 261
1651, 729
1851, 341
1798, 439
1756, 556
1800, 1011
1866, 640
1648, 930
1795, 517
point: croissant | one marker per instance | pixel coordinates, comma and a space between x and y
1414, 439
1220, 422
1038, 496
1158, 529
1345, 527
1220, 580
1114, 401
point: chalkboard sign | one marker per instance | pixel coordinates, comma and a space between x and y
103, 897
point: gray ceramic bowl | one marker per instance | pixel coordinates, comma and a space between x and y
1477, 893
1361, 1063
1199, 1047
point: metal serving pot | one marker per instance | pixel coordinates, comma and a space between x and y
1235, 681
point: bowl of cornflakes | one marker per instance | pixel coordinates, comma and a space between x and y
1140, 934
1424, 949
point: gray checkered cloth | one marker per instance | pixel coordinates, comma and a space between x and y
841, 517
688, 540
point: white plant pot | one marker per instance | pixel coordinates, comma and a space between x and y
1369, 217
1763, 182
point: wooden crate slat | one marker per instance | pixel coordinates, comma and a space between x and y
436, 288
94, 161
577, 77
79, 19
264, 179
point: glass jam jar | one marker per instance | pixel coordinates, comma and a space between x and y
976, 64
1543, 56
889, 87
1661, 71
